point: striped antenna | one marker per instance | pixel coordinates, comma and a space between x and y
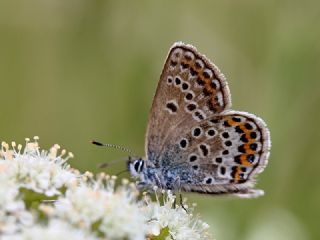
124, 149
105, 165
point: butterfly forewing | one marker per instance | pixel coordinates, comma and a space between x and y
190, 90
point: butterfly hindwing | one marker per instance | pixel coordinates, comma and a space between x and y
231, 150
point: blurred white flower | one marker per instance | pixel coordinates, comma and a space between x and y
41, 171
56, 229
96, 203
13, 214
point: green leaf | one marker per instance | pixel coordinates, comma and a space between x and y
162, 236
33, 199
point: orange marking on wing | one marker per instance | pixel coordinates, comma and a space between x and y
209, 89
247, 132
232, 123
200, 79
250, 139
194, 67
204, 77
213, 106
247, 149
237, 175
242, 127
244, 161
188, 59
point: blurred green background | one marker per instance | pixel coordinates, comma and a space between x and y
73, 71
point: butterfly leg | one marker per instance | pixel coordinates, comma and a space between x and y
158, 182
181, 202
178, 186
142, 185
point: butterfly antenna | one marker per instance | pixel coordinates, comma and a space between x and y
121, 172
107, 164
124, 149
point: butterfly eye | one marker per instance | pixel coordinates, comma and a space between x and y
138, 165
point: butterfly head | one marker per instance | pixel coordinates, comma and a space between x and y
136, 166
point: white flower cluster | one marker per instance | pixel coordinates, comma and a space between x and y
180, 223
41, 197
41, 171
13, 213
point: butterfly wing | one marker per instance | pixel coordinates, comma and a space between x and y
190, 129
190, 89
231, 150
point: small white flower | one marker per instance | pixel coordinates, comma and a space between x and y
41, 171
13, 214
56, 229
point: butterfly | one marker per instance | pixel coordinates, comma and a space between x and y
194, 141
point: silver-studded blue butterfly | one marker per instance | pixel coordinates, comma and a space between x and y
194, 142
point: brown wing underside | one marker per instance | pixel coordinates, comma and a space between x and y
190, 123
189, 90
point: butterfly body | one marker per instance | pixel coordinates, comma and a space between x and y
166, 177
194, 142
